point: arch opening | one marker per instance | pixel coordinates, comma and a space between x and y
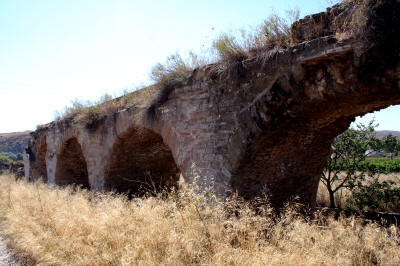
141, 163
71, 165
285, 163
288, 161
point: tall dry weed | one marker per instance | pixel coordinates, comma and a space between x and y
60, 226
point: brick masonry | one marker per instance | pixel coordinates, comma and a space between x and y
262, 124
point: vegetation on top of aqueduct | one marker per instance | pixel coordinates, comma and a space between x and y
63, 226
226, 56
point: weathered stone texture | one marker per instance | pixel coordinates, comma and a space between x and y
265, 123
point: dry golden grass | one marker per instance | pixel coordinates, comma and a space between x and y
57, 226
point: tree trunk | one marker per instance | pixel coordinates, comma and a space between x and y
332, 198
391, 156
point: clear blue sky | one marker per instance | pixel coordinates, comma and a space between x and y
53, 51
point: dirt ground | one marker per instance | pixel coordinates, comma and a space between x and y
6, 257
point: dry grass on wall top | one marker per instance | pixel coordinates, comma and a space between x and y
56, 226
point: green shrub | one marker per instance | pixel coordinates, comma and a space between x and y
175, 69
375, 165
348, 152
228, 48
12, 156
274, 32
277, 30
376, 196
4, 160
89, 116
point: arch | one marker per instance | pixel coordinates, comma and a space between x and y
286, 163
71, 165
140, 162
288, 141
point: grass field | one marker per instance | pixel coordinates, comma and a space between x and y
59, 226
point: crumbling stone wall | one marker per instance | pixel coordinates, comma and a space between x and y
264, 123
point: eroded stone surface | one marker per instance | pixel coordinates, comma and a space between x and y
265, 122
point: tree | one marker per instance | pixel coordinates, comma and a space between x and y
347, 152
11, 156
4, 160
391, 144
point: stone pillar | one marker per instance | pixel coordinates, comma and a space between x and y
25, 157
95, 167
51, 164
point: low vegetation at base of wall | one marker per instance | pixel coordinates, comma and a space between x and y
62, 226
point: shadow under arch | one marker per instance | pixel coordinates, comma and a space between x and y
140, 163
71, 165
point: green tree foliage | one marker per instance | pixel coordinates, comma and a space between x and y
4, 160
391, 144
348, 150
380, 165
375, 196
11, 157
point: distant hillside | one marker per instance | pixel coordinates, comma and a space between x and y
14, 142
383, 133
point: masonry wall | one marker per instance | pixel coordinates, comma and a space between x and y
260, 125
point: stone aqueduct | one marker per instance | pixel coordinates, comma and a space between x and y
266, 122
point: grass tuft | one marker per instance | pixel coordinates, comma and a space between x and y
228, 48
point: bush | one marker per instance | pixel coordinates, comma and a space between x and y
275, 32
12, 156
375, 196
175, 69
228, 48
89, 116
5, 160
